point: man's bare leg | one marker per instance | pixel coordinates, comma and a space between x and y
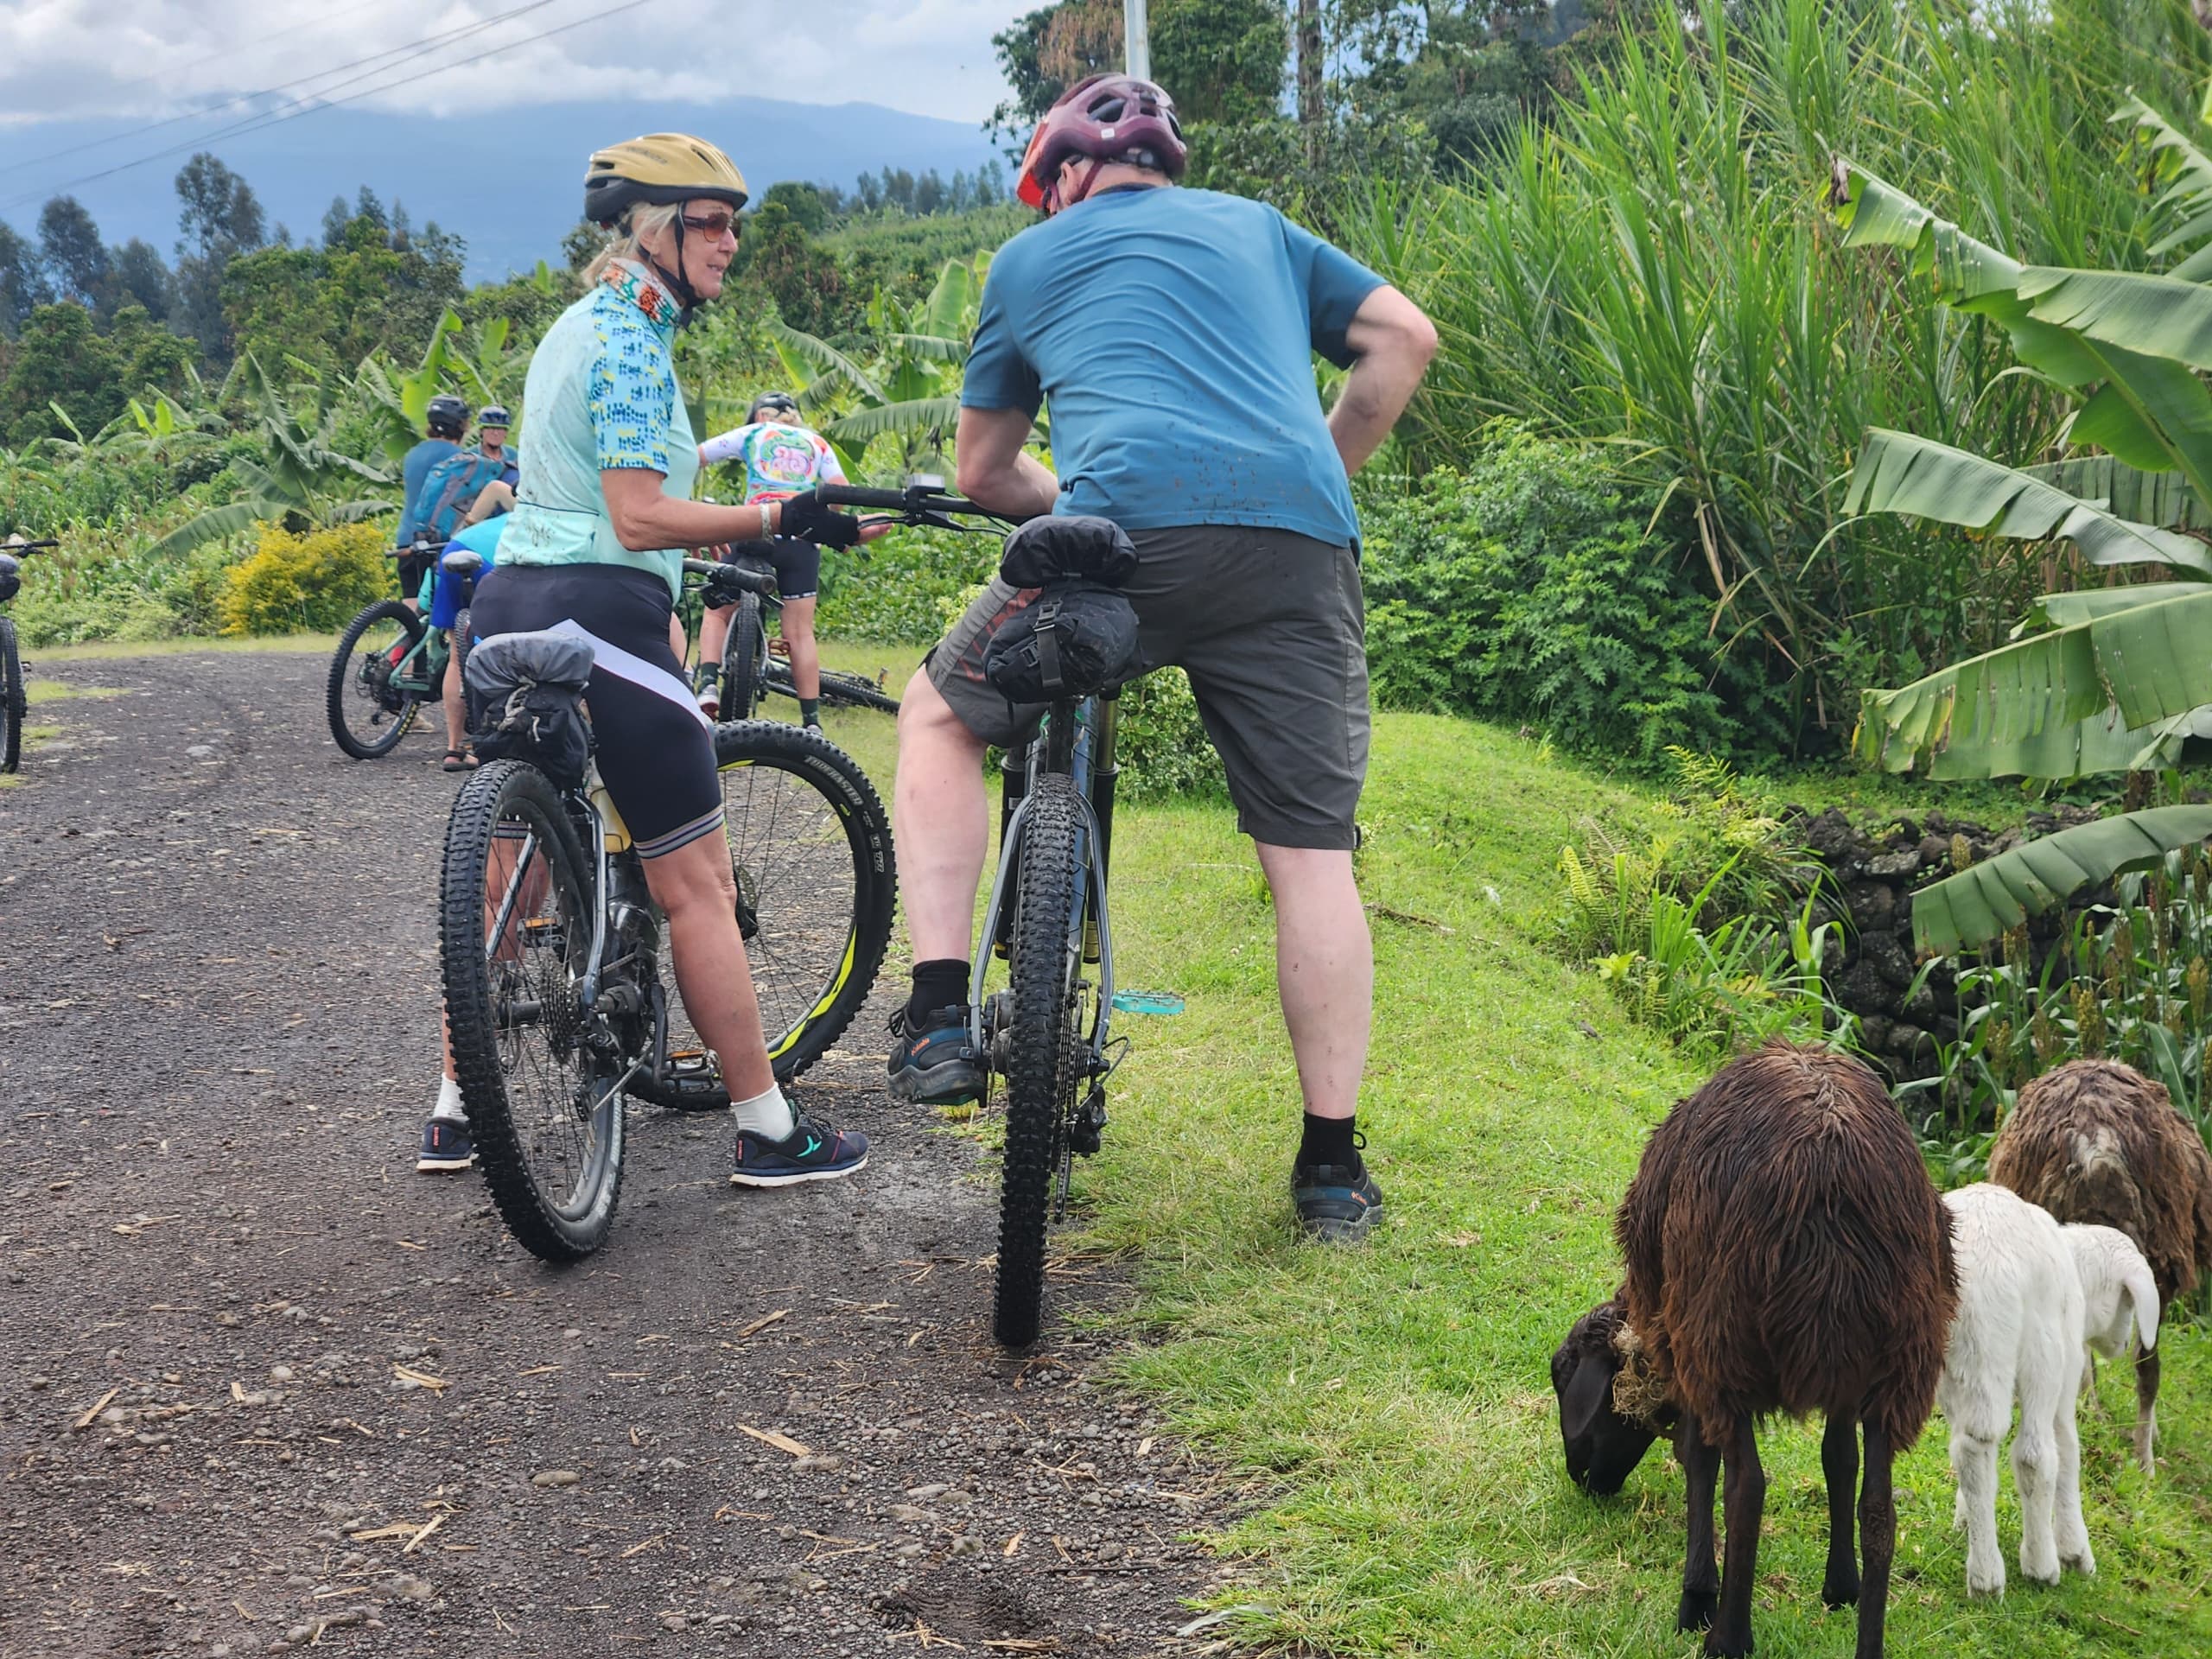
939, 822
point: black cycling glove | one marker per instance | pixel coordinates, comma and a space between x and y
805, 518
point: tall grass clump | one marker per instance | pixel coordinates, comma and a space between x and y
1650, 275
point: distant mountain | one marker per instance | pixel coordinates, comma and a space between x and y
510, 182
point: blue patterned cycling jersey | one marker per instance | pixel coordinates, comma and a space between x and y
602, 397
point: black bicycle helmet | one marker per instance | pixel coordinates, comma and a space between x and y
782, 401
494, 415
447, 416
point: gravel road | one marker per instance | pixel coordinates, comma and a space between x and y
261, 1386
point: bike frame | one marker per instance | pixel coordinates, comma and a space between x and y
1077, 739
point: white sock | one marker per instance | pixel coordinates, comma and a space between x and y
449, 1105
768, 1115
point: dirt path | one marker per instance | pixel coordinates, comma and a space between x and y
262, 1384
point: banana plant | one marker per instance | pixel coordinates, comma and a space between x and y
904, 383
401, 401
306, 480
2106, 680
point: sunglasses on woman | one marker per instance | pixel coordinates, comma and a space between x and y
714, 224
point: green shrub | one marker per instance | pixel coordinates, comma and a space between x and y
1528, 588
305, 583
1161, 743
895, 589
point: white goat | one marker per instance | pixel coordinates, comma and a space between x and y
2019, 1331
2121, 1295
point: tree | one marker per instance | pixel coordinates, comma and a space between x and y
802, 202
366, 206
2120, 677
336, 218
76, 259
808, 284
149, 360
142, 278
59, 358
220, 215
1222, 60
22, 284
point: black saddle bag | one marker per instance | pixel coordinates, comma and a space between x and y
526, 702
1079, 636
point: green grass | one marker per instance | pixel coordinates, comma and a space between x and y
102, 650
1394, 1404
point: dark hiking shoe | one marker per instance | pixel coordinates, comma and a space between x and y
932, 1066
1338, 1204
811, 1152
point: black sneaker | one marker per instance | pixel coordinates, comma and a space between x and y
1338, 1204
446, 1145
933, 1066
812, 1152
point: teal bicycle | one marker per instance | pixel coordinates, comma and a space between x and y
389, 663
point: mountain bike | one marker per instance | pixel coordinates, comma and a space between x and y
555, 964
389, 663
15, 699
1046, 1036
752, 669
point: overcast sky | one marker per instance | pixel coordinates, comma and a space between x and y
61, 59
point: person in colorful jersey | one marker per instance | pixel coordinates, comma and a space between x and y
595, 549
780, 458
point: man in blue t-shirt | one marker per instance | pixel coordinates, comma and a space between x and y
444, 421
1172, 332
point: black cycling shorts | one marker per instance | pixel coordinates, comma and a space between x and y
655, 749
413, 567
798, 565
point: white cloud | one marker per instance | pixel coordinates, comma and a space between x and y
152, 59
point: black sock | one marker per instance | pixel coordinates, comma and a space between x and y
939, 984
1327, 1140
809, 711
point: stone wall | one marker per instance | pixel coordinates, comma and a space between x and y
1875, 871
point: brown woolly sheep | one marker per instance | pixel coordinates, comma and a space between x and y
2097, 1141
1786, 1253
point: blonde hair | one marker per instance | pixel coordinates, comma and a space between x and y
645, 219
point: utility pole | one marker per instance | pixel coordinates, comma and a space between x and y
1136, 42
1308, 23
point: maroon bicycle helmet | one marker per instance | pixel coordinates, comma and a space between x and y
1109, 119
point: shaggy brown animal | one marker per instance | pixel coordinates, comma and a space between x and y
2097, 1141
1787, 1253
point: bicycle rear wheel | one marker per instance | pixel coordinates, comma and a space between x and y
810, 846
516, 907
13, 699
1045, 1068
369, 714
741, 655
855, 692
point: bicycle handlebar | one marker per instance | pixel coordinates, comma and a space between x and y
27, 546
731, 578
914, 499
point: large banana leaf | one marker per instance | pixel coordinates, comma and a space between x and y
1979, 904
1900, 472
216, 523
2156, 406
2086, 604
2150, 662
921, 414
2186, 172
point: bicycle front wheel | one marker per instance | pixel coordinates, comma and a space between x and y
855, 692
810, 846
1044, 1065
741, 654
14, 699
516, 907
370, 708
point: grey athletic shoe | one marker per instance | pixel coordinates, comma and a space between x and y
1338, 1204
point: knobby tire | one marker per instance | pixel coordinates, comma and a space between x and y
1043, 1068
14, 699
803, 825
741, 654
345, 688
516, 1102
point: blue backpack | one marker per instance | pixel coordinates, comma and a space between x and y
449, 490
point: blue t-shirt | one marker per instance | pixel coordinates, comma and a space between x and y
412, 471
1172, 331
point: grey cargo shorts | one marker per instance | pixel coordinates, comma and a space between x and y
1269, 625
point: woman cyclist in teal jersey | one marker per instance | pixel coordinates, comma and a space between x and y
595, 549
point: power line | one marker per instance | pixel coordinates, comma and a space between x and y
412, 48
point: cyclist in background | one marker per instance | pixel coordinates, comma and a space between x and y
1173, 331
497, 496
780, 458
482, 539
594, 550
444, 423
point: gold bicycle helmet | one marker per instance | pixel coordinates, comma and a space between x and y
660, 167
